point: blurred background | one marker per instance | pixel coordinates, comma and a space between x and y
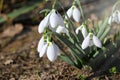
19, 20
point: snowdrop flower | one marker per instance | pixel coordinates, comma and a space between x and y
74, 12
62, 29
50, 48
91, 40
83, 30
115, 17
52, 20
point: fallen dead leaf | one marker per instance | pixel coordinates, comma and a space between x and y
8, 62
12, 30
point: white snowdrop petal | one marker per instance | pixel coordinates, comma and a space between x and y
110, 20
41, 26
76, 14
97, 42
43, 50
62, 29
61, 21
77, 30
54, 19
86, 42
46, 20
69, 13
84, 32
40, 44
51, 52
59, 29
57, 49
44, 23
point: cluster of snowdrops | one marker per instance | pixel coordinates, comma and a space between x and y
80, 40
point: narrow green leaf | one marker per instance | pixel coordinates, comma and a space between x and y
105, 33
102, 27
21, 11
66, 59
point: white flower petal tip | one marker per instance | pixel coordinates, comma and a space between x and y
51, 52
62, 29
76, 14
86, 42
97, 42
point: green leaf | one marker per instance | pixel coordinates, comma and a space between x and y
113, 70
105, 33
102, 27
66, 59
21, 11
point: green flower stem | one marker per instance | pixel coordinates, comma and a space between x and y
71, 23
54, 4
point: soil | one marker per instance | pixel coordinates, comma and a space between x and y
19, 59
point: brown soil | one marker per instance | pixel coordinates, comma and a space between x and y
19, 58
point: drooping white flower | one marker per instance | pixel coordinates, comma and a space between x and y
115, 17
83, 30
62, 29
49, 48
52, 52
91, 40
86, 42
74, 13
56, 19
52, 20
